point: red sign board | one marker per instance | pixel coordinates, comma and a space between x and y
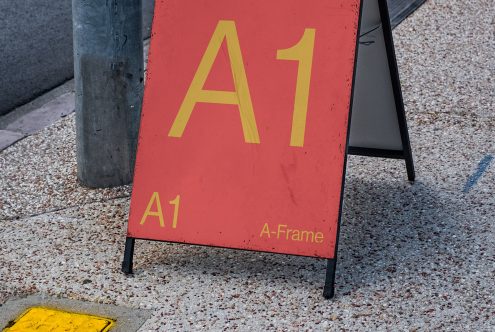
244, 124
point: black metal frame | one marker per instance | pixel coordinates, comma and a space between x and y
329, 288
406, 152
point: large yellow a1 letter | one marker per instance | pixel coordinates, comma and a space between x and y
240, 97
158, 213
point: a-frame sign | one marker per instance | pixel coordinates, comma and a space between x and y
245, 127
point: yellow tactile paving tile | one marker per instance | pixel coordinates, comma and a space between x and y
41, 319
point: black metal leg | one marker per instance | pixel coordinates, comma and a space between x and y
411, 175
329, 289
128, 255
394, 75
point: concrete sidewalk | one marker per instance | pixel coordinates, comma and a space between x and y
411, 257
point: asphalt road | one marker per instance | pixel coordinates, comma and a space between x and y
36, 47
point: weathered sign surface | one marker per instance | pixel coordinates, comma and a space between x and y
244, 124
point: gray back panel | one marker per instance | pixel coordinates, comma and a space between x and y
374, 122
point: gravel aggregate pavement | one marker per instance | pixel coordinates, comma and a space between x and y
39, 174
412, 257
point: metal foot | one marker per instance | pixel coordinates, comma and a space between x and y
411, 176
128, 255
329, 289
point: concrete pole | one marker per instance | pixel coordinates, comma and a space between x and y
108, 71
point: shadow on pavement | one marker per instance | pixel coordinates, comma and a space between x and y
389, 231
